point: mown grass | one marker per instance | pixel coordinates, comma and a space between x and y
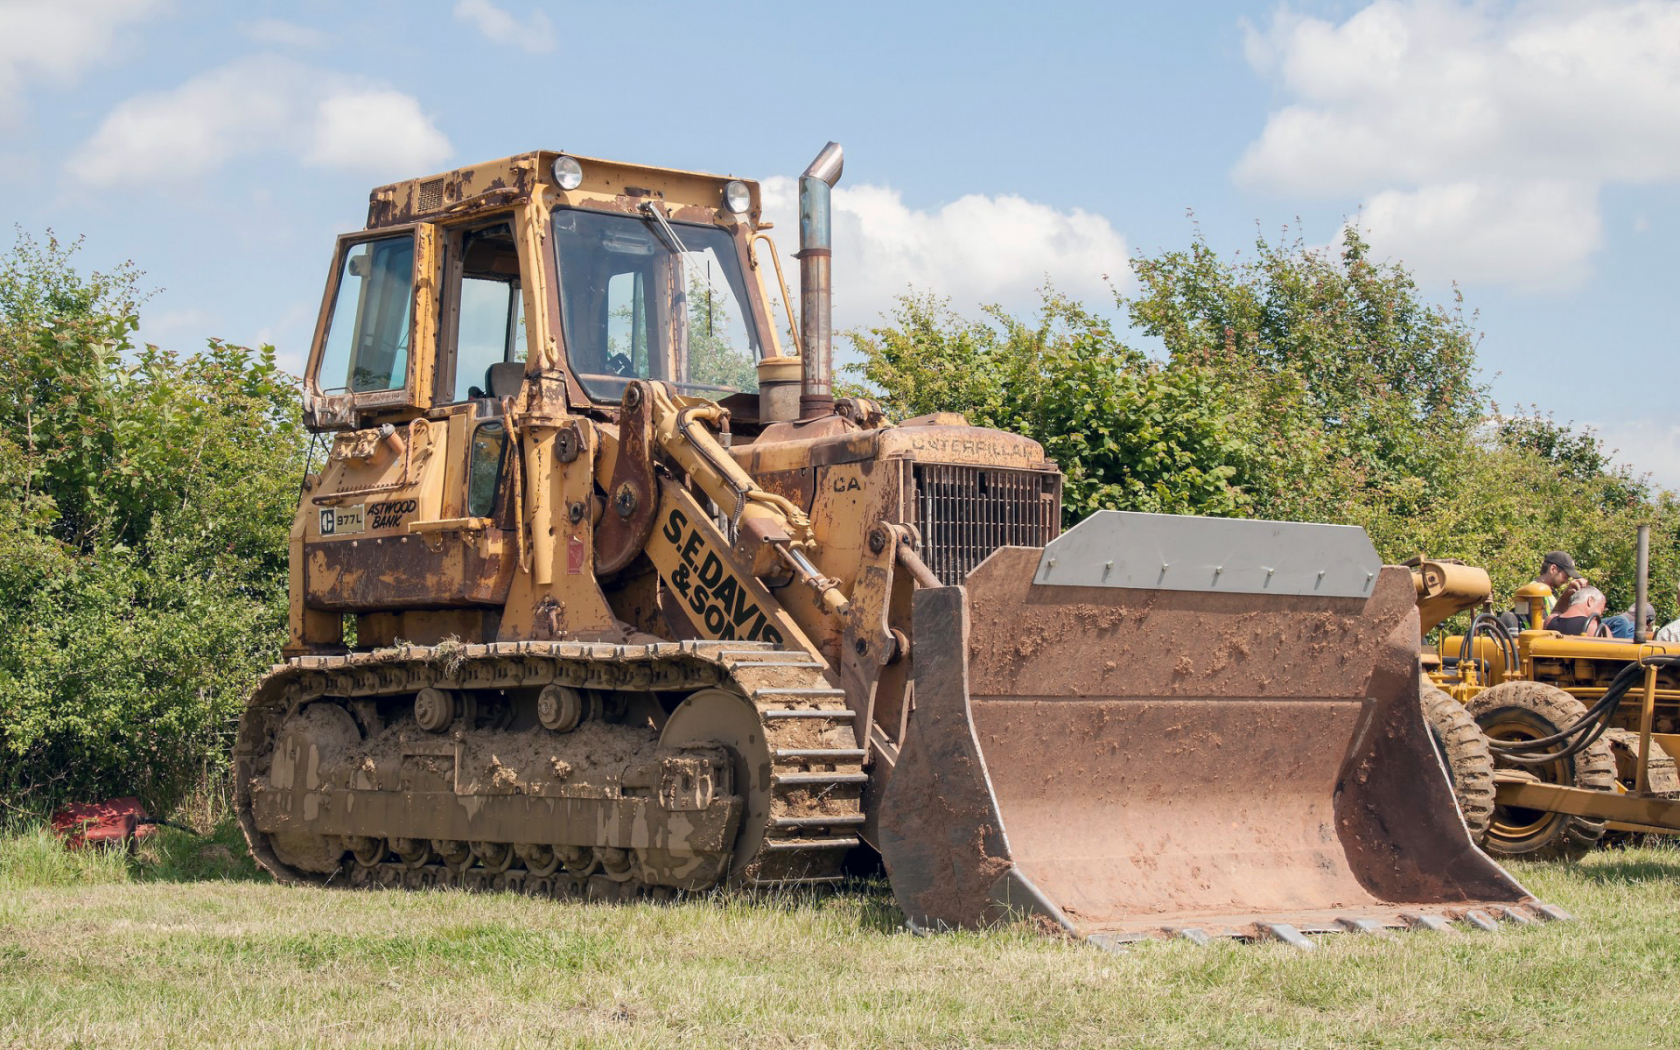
179, 947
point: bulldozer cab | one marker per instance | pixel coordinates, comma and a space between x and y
599, 272
546, 279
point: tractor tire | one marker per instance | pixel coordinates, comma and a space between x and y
1513, 711
1463, 750
1663, 776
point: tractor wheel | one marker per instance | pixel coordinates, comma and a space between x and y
1464, 751
1512, 711
1662, 774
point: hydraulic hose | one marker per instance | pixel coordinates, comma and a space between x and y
1586, 730
1501, 636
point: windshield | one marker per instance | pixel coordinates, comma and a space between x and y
641, 302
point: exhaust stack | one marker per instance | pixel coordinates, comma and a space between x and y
1641, 584
816, 398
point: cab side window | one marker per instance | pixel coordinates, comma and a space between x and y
367, 337
488, 312
484, 469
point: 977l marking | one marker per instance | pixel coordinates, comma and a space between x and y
343, 521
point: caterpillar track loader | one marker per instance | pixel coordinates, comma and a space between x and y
601, 593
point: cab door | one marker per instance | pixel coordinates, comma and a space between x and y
480, 362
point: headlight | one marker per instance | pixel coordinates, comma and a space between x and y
737, 198
568, 173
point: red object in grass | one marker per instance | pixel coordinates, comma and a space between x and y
116, 821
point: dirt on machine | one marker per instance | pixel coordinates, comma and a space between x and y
601, 593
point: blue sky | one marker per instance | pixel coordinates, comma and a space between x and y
1529, 151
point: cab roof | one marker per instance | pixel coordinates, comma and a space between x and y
516, 179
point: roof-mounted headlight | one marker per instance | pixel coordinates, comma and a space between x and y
568, 173
736, 197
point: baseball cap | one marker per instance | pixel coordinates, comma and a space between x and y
1563, 561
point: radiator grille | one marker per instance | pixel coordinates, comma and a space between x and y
966, 513
431, 195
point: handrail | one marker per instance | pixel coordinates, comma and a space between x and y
787, 300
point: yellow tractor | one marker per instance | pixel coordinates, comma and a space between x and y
601, 593
1578, 734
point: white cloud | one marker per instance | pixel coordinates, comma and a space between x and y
285, 34
257, 105
1498, 123
534, 34
57, 41
357, 130
975, 249
1533, 235
1648, 445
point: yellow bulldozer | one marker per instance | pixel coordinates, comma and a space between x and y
1574, 738
600, 592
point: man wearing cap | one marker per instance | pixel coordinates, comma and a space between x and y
1557, 571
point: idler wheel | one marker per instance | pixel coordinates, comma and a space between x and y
434, 709
496, 857
539, 860
711, 717
369, 851
560, 708
312, 749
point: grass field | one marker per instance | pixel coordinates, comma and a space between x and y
189, 947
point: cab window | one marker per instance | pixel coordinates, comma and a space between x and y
368, 331
489, 322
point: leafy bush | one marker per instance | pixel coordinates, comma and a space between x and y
1127, 431
146, 503
1300, 383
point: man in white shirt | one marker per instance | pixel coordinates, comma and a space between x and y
1670, 632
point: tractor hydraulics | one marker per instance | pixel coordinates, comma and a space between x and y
1576, 737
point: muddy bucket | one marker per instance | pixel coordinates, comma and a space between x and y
1161, 724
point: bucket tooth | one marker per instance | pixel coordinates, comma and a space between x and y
1367, 926
1514, 915
1194, 935
1551, 913
1285, 932
1481, 920
1108, 942
1425, 921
